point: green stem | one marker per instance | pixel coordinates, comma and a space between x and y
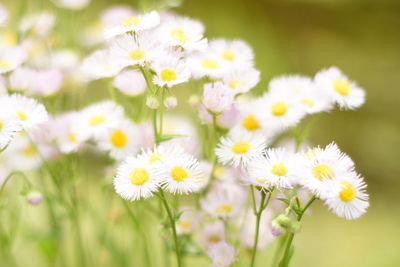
286, 256
173, 226
160, 129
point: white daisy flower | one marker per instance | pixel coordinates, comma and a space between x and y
21, 154
3, 15
37, 24
319, 166
206, 64
100, 116
235, 52
182, 175
346, 93
170, 71
222, 254
212, 233
242, 80
217, 97
9, 126
161, 153
72, 4
188, 220
28, 111
282, 111
120, 140
135, 50
136, 179
11, 58
224, 200
240, 149
135, 23
101, 64
303, 88
130, 82
276, 169
348, 199
69, 132
184, 32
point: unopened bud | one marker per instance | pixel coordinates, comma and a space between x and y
283, 220
34, 197
170, 102
152, 102
194, 101
276, 229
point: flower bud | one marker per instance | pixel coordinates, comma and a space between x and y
283, 220
217, 97
170, 102
194, 101
34, 197
152, 102
276, 229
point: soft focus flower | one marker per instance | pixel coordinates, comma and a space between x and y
170, 71
11, 58
222, 254
101, 64
217, 97
34, 198
72, 4
212, 233
27, 111
130, 82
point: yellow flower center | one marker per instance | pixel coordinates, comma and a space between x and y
139, 176
131, 21
9, 38
308, 102
185, 224
348, 192
137, 54
209, 64
28, 151
155, 157
97, 119
342, 86
1, 125
279, 169
235, 84
214, 239
179, 35
179, 174
22, 115
219, 172
118, 139
322, 171
5, 64
72, 137
224, 209
228, 55
279, 108
251, 123
241, 147
168, 75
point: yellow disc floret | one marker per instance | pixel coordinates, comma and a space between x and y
97, 119
179, 35
228, 55
348, 192
224, 209
342, 86
168, 75
179, 174
131, 21
155, 157
279, 169
137, 54
22, 115
279, 108
139, 176
241, 147
251, 123
119, 139
321, 171
209, 64
5, 64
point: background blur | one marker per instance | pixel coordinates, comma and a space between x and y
303, 36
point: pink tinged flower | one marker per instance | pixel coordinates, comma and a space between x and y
217, 97
34, 198
222, 254
130, 83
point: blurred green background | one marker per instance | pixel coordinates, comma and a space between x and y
362, 37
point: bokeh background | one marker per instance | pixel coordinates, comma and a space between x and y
303, 36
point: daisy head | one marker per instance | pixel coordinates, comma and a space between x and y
236, 52
9, 126
221, 254
346, 93
277, 168
217, 97
240, 149
206, 64
21, 154
28, 111
11, 58
134, 23
130, 82
348, 198
182, 175
188, 220
212, 233
319, 167
136, 179
241, 80
170, 71
101, 64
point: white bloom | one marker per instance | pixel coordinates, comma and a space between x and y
348, 198
222, 254
236, 52
182, 175
347, 94
217, 97
240, 149
9, 126
11, 58
28, 111
72, 4
225, 200
111, 16
101, 116
136, 179
130, 82
184, 32
170, 71
101, 64
188, 220
241, 80
21, 154
206, 63
320, 166
212, 233
120, 140
38, 24
135, 23
276, 169
161, 153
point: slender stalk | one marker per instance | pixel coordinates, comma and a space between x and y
160, 129
173, 227
286, 256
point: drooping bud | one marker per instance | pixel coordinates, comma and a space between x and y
34, 198
170, 102
276, 229
194, 101
152, 102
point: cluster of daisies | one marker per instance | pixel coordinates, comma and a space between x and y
144, 55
